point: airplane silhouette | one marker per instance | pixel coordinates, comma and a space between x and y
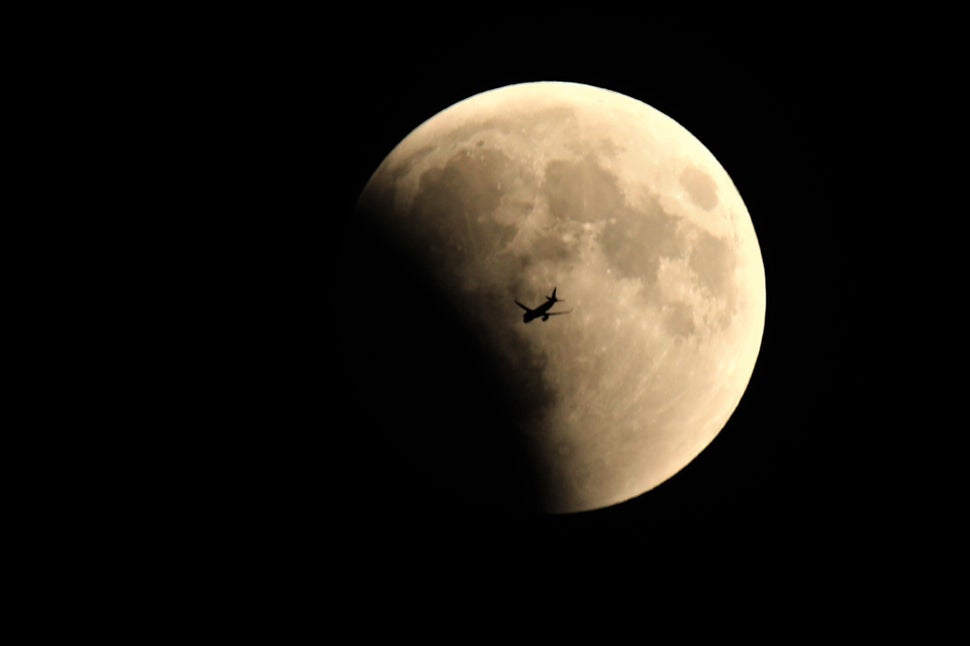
542, 310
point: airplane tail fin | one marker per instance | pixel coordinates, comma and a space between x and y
553, 297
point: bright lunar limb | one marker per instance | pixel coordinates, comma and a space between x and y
512, 192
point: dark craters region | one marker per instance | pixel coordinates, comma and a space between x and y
634, 241
679, 319
469, 180
700, 187
581, 190
712, 260
458, 201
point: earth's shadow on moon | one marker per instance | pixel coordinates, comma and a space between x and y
442, 416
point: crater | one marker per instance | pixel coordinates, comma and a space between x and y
469, 181
456, 204
554, 248
678, 319
713, 261
537, 125
581, 190
700, 187
635, 240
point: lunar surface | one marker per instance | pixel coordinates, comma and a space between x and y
530, 187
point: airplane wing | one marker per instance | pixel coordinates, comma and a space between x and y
557, 313
522, 306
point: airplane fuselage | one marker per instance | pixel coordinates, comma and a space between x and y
539, 312
542, 311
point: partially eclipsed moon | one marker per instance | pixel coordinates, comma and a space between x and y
518, 190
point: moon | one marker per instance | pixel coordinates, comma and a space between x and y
522, 189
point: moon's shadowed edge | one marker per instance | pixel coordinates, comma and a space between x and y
444, 416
